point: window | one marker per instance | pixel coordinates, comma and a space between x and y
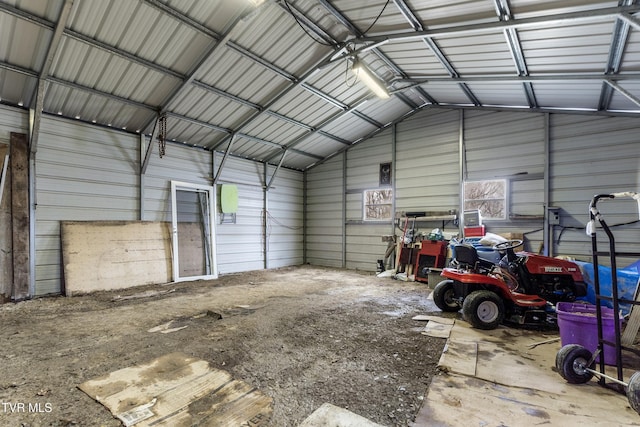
378, 205
490, 197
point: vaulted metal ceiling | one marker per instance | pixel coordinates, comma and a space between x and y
272, 82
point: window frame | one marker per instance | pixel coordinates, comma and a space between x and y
504, 183
366, 205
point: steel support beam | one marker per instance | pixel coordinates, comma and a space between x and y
616, 52
562, 19
415, 23
44, 73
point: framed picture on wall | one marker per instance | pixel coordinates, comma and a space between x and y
385, 173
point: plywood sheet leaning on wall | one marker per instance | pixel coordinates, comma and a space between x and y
107, 255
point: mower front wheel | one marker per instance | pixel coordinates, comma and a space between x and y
483, 309
443, 296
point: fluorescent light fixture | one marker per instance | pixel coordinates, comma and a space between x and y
373, 83
256, 3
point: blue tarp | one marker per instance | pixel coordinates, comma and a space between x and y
628, 278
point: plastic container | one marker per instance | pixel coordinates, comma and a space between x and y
578, 324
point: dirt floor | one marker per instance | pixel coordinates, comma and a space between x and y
304, 336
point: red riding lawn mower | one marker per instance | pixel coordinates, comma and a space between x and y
521, 288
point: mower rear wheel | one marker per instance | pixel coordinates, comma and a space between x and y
483, 309
443, 296
571, 362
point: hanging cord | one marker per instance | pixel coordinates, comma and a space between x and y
350, 82
286, 3
162, 136
377, 18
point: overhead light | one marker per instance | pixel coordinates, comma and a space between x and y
256, 3
374, 83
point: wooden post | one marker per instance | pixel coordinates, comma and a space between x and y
19, 158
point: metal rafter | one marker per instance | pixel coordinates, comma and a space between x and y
355, 31
225, 41
513, 41
219, 41
598, 15
415, 23
616, 52
44, 73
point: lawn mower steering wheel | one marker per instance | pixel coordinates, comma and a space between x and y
509, 244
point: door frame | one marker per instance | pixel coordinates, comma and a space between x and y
175, 257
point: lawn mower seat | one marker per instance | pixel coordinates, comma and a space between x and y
466, 257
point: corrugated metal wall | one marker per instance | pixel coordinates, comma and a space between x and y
588, 154
512, 146
180, 163
285, 218
363, 238
12, 120
427, 162
324, 217
86, 172
241, 245
83, 173
594, 155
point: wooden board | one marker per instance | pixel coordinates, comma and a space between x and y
331, 415
176, 389
107, 255
20, 214
514, 383
457, 400
460, 357
633, 325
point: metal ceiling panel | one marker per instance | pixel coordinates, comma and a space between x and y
251, 149
340, 83
523, 9
17, 88
231, 72
298, 105
569, 94
414, 58
104, 71
141, 30
66, 101
295, 49
201, 105
627, 97
214, 15
296, 161
500, 93
190, 133
444, 13
478, 54
219, 68
19, 42
446, 92
275, 130
350, 127
321, 145
384, 111
363, 15
631, 58
567, 48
